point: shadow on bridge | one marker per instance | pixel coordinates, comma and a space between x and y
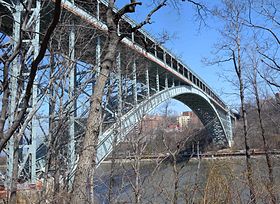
197, 144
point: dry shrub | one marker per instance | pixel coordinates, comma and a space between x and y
218, 188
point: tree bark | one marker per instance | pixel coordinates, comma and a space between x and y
83, 181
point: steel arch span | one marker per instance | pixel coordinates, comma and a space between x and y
216, 121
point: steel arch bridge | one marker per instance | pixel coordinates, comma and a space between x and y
216, 123
145, 75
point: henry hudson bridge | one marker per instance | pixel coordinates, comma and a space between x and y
145, 75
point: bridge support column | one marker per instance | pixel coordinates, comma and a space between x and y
134, 81
132, 37
34, 127
98, 10
72, 81
166, 82
125, 87
35, 43
147, 82
98, 51
119, 78
157, 81
14, 73
119, 111
229, 130
97, 60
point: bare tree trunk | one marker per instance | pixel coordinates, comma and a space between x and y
247, 148
265, 145
83, 182
139, 146
176, 179
51, 135
238, 70
14, 182
197, 172
232, 14
137, 188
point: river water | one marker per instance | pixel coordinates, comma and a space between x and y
212, 180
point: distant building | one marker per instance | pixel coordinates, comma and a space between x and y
173, 128
188, 118
151, 122
185, 118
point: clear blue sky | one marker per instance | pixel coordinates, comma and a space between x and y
189, 42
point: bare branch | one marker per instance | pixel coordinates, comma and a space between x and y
148, 18
270, 59
128, 8
270, 66
235, 63
198, 5
200, 8
267, 80
217, 61
251, 25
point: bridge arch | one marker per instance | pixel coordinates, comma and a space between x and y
190, 96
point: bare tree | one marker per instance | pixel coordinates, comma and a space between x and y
83, 182
232, 14
267, 32
255, 86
